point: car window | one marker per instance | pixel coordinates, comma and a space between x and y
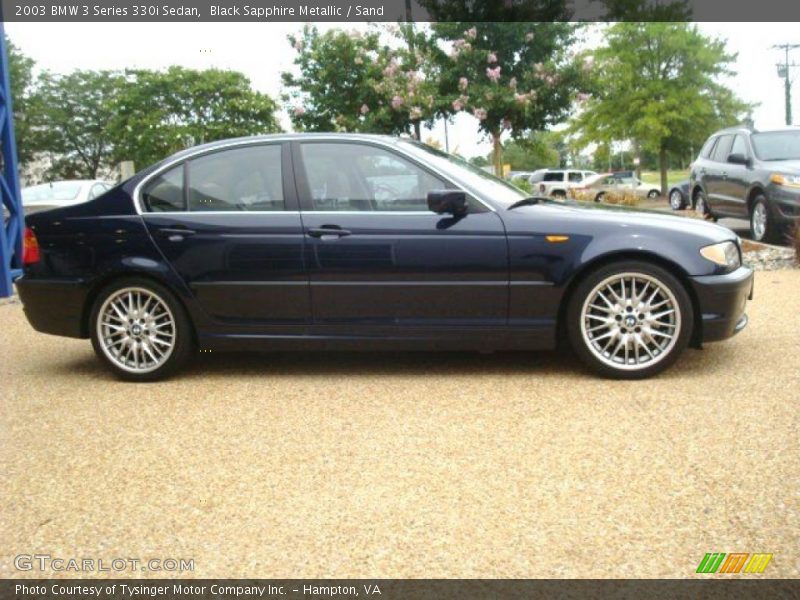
165, 192
553, 176
96, 190
722, 149
240, 179
362, 177
575, 176
708, 148
739, 146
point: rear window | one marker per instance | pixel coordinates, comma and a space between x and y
165, 192
553, 176
575, 176
723, 148
706, 151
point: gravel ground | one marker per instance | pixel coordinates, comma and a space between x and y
407, 465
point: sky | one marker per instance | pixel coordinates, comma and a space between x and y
261, 52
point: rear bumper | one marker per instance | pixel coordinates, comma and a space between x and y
722, 300
53, 306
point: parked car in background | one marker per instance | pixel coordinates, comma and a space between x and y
679, 195
750, 174
315, 241
604, 183
57, 194
556, 182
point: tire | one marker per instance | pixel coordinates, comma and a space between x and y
676, 200
653, 194
762, 225
140, 330
700, 203
619, 343
560, 194
599, 197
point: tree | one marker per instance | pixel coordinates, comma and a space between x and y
656, 85
73, 117
513, 77
160, 112
336, 87
538, 150
20, 70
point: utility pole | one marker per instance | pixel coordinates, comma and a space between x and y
784, 71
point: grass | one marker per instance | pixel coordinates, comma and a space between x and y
673, 177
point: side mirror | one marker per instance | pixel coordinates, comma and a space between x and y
738, 159
452, 202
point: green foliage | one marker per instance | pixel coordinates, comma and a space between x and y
20, 70
87, 121
538, 150
656, 83
72, 121
160, 112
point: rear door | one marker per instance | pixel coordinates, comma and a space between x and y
716, 172
380, 263
228, 223
735, 181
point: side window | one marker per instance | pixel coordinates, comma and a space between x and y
739, 147
361, 177
722, 149
241, 179
575, 176
708, 148
165, 192
96, 190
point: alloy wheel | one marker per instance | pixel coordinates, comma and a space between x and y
700, 204
630, 321
759, 221
675, 200
136, 330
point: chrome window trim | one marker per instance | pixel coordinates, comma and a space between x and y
279, 140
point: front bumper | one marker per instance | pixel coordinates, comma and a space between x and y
54, 306
721, 300
785, 205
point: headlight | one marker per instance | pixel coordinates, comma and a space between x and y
725, 254
781, 179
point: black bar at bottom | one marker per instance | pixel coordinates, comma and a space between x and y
707, 587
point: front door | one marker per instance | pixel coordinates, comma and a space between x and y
380, 262
228, 228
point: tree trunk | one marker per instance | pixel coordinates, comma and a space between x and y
497, 154
417, 134
662, 164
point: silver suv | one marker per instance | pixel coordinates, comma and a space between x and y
556, 182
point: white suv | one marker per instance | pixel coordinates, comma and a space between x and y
556, 182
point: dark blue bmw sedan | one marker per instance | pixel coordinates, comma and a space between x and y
338, 241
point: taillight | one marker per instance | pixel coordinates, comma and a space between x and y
30, 248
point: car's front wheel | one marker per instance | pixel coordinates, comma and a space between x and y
629, 320
762, 225
700, 204
140, 330
653, 194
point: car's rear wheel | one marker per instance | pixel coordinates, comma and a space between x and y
762, 225
629, 320
599, 197
140, 330
653, 194
676, 201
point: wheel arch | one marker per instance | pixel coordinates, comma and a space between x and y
111, 277
695, 339
756, 190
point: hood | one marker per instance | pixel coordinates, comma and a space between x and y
590, 217
791, 167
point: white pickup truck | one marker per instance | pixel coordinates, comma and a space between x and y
556, 182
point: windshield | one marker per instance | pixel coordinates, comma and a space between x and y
482, 182
58, 191
777, 145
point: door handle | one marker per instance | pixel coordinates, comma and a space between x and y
328, 232
175, 234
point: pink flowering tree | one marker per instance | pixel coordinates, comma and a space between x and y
338, 84
512, 77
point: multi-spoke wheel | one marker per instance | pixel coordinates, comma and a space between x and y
140, 330
630, 319
762, 226
676, 201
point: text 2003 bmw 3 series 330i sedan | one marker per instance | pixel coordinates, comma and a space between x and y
299, 242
